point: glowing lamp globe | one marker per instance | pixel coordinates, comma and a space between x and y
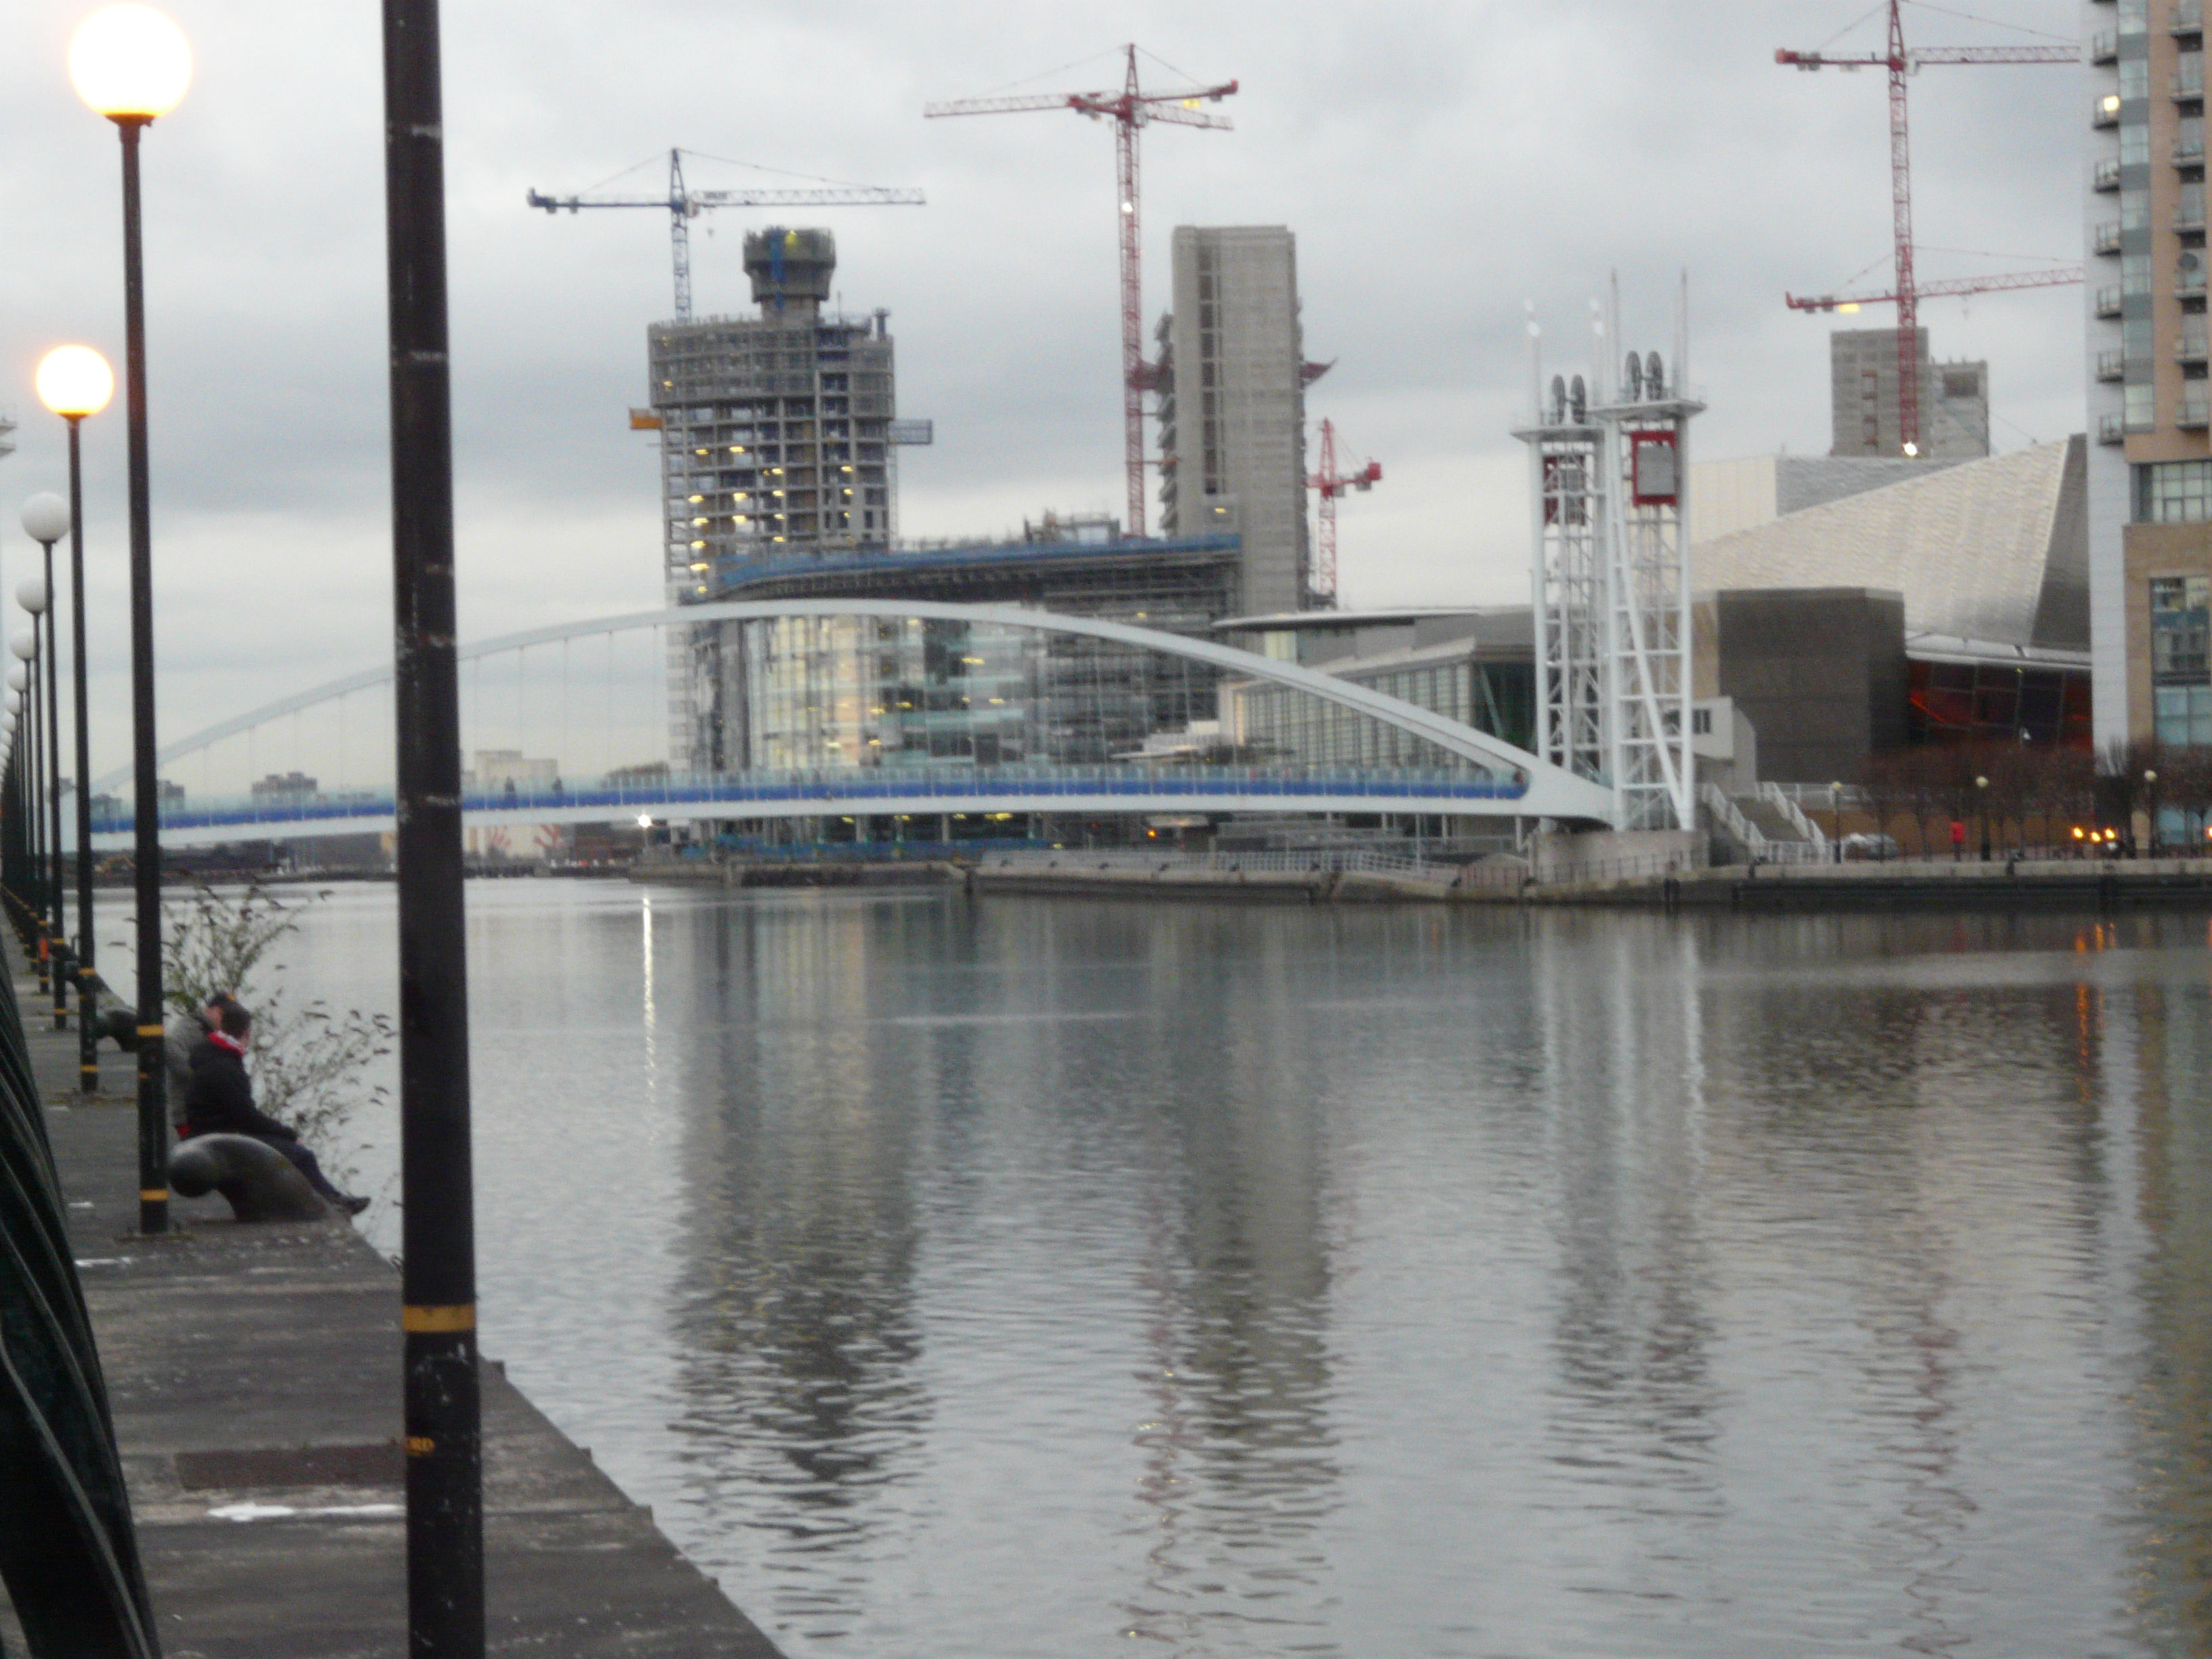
31, 594
129, 62
45, 518
74, 381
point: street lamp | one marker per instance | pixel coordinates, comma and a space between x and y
1836, 817
49, 514
131, 65
2150, 808
1982, 795
74, 381
23, 680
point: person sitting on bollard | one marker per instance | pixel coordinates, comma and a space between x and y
219, 1101
186, 1035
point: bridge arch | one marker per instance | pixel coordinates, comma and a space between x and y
1549, 791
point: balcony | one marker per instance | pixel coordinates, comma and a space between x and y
2105, 111
2195, 414
2189, 149
2107, 176
2106, 239
2189, 285
2189, 212
2111, 365
2189, 77
2190, 348
2188, 17
2108, 300
2104, 47
2111, 429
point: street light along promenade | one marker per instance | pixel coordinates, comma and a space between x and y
131, 65
74, 382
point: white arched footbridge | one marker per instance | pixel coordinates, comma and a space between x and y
1483, 776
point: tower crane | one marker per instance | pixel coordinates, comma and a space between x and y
683, 206
1130, 108
1332, 484
1907, 292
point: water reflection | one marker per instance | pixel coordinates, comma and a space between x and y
1026, 1277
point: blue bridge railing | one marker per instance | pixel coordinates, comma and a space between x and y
879, 789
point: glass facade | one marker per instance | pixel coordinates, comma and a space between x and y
1996, 703
1496, 697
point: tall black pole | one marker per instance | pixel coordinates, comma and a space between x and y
34, 772
57, 905
145, 802
88, 1037
444, 1475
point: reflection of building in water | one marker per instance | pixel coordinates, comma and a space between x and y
793, 1307
2166, 1029
1240, 1461
1633, 1332
798, 1312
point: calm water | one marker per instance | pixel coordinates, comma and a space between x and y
1031, 1277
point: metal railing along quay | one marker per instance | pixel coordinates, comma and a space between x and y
69, 1553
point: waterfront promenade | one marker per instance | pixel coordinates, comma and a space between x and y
253, 1373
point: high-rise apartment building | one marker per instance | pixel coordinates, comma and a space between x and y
1232, 406
1955, 399
775, 447
2150, 469
775, 430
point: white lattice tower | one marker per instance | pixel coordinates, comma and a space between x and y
1609, 473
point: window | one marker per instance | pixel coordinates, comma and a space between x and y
2135, 145
2181, 649
2140, 407
2182, 714
2135, 273
2174, 492
2134, 209
1701, 722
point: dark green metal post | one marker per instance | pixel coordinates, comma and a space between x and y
146, 803
56, 905
88, 1035
445, 1474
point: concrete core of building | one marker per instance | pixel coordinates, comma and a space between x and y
1232, 405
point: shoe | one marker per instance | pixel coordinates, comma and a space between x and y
351, 1204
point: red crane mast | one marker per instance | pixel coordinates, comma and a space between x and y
1901, 62
1129, 109
1332, 484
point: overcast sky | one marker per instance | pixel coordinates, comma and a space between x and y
1440, 163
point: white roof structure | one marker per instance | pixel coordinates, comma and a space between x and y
1993, 550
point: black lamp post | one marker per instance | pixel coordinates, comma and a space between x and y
38, 598
131, 65
445, 1472
23, 680
74, 381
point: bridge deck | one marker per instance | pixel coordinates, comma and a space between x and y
266, 1341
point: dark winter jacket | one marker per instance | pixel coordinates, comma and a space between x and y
219, 1098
